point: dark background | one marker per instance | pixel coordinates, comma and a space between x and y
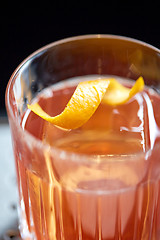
25, 28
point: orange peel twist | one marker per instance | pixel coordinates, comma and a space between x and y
86, 99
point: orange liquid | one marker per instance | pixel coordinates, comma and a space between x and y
114, 196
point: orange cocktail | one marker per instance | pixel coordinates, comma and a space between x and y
100, 180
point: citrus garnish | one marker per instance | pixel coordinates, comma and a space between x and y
86, 99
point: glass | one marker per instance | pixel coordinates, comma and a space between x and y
65, 195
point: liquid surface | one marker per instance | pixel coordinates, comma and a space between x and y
127, 129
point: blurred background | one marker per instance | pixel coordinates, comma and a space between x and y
25, 28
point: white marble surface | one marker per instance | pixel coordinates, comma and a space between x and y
8, 187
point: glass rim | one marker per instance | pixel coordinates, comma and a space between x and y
73, 156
